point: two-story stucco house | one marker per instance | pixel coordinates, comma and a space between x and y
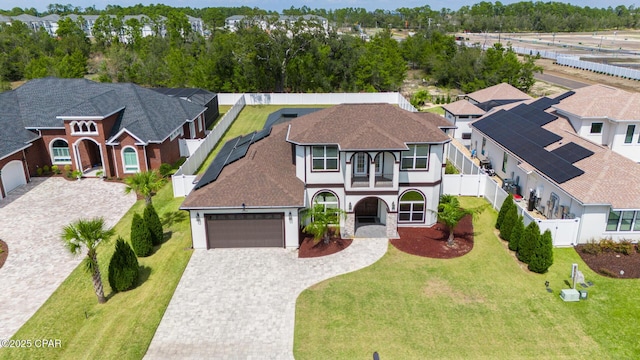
378, 163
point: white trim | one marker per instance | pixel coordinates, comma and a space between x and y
77, 153
80, 125
115, 160
111, 141
124, 162
52, 156
80, 117
146, 161
15, 152
411, 211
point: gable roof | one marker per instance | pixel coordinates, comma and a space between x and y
265, 177
501, 91
151, 116
13, 136
366, 127
195, 95
463, 107
599, 101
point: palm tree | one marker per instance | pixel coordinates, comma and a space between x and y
88, 233
321, 221
144, 183
450, 213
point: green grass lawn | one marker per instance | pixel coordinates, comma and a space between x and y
436, 110
222, 110
250, 119
484, 305
124, 326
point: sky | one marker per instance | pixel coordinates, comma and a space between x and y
278, 5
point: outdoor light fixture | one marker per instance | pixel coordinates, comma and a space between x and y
350, 207
244, 207
393, 206
198, 217
290, 216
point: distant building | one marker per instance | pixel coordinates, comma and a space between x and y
266, 22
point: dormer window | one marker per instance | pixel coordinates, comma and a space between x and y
84, 128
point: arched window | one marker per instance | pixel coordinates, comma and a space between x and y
60, 152
411, 207
327, 199
130, 160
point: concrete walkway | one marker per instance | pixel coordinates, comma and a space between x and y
240, 303
31, 220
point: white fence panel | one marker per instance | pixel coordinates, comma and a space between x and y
229, 98
563, 231
183, 184
604, 68
464, 185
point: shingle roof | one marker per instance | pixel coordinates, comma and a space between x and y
198, 96
13, 135
149, 115
366, 126
265, 177
602, 101
463, 107
501, 91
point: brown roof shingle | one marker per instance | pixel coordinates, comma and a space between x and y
367, 126
501, 91
602, 101
266, 176
463, 107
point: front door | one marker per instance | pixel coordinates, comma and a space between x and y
361, 167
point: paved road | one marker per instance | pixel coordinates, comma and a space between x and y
560, 81
31, 219
240, 303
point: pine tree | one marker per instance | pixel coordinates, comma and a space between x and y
123, 267
140, 236
528, 242
508, 202
542, 257
516, 234
154, 224
508, 222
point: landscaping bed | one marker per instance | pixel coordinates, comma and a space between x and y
611, 263
309, 248
432, 242
4, 253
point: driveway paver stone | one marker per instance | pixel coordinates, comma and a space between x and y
31, 221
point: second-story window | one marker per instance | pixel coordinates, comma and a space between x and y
324, 158
416, 158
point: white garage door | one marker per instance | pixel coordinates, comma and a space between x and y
13, 176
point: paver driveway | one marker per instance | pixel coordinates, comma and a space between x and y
31, 220
240, 303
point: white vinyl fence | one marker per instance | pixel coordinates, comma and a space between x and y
619, 71
472, 181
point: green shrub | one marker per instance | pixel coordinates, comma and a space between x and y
154, 224
165, 169
591, 247
46, 169
508, 222
55, 169
516, 234
625, 247
67, 168
69, 174
123, 267
140, 236
508, 202
528, 242
542, 256
450, 168
608, 245
39, 171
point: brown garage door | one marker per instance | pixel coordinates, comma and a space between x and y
245, 230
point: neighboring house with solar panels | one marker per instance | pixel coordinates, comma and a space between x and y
560, 172
463, 112
119, 129
379, 163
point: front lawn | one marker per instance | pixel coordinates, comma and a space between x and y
482, 305
124, 326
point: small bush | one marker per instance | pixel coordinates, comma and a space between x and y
55, 169
625, 247
67, 168
39, 171
592, 248
509, 221
154, 224
165, 169
450, 169
608, 245
69, 174
46, 169
123, 267
140, 236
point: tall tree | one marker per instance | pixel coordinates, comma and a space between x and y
528, 241
542, 255
88, 233
144, 183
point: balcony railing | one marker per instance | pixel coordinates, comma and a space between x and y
383, 181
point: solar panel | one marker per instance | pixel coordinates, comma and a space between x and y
261, 134
488, 105
245, 139
565, 95
572, 152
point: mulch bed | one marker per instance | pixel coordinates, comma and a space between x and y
610, 263
432, 242
4, 252
309, 249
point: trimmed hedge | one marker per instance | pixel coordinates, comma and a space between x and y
509, 221
528, 242
154, 224
516, 234
542, 257
123, 267
508, 202
140, 236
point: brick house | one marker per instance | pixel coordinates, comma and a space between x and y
119, 129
